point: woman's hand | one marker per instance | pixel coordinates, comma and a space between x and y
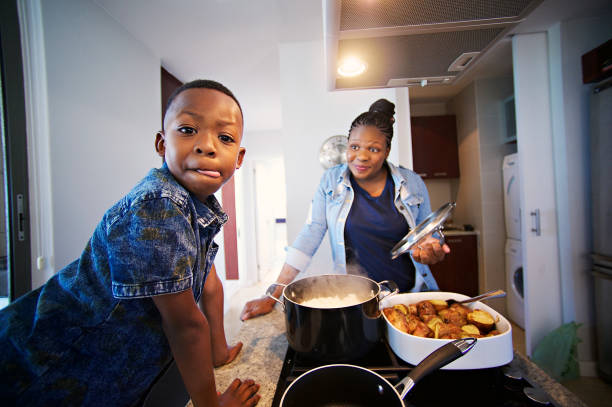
429, 251
254, 308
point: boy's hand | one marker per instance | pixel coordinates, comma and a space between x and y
240, 394
229, 356
254, 308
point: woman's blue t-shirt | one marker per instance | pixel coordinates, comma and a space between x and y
373, 227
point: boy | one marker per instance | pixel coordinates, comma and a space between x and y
104, 328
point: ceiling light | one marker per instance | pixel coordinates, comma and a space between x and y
352, 67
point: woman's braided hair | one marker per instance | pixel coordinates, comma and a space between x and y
380, 120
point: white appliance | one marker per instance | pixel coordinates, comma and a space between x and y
514, 263
515, 298
512, 201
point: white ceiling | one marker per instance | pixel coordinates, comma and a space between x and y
236, 42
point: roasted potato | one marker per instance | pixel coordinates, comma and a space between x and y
439, 304
433, 322
471, 330
482, 319
402, 308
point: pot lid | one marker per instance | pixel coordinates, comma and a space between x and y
433, 223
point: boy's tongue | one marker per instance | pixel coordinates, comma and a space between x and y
210, 173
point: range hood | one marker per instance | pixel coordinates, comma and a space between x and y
414, 42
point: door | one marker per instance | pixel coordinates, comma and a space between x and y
15, 264
541, 272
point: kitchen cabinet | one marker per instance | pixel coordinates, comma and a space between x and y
458, 272
434, 146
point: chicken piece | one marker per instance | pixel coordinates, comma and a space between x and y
493, 332
448, 331
454, 317
413, 322
412, 309
461, 308
396, 318
427, 318
425, 308
422, 330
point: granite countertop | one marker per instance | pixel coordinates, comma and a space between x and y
265, 345
261, 359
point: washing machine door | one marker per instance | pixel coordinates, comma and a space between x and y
515, 298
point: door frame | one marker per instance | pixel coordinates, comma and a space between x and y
15, 152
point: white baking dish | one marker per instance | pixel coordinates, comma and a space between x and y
488, 352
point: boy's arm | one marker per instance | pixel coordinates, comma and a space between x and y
188, 333
211, 303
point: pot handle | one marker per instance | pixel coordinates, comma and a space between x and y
393, 288
436, 359
270, 291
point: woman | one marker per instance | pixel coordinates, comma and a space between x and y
368, 205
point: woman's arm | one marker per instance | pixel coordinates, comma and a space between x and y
188, 334
264, 305
211, 304
299, 254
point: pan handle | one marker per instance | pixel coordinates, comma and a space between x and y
436, 359
393, 288
270, 291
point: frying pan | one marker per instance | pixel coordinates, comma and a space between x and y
335, 385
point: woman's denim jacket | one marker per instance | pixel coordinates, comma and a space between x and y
330, 208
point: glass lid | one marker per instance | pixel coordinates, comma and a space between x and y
433, 223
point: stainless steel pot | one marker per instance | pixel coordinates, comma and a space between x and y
333, 334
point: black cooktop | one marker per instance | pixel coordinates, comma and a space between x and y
500, 386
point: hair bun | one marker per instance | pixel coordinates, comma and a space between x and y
383, 106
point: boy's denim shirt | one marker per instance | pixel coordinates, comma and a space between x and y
330, 208
92, 335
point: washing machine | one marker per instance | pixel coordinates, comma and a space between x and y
515, 296
512, 198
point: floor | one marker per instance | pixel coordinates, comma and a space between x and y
592, 390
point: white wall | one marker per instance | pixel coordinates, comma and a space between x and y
310, 115
104, 106
261, 146
490, 94
570, 120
